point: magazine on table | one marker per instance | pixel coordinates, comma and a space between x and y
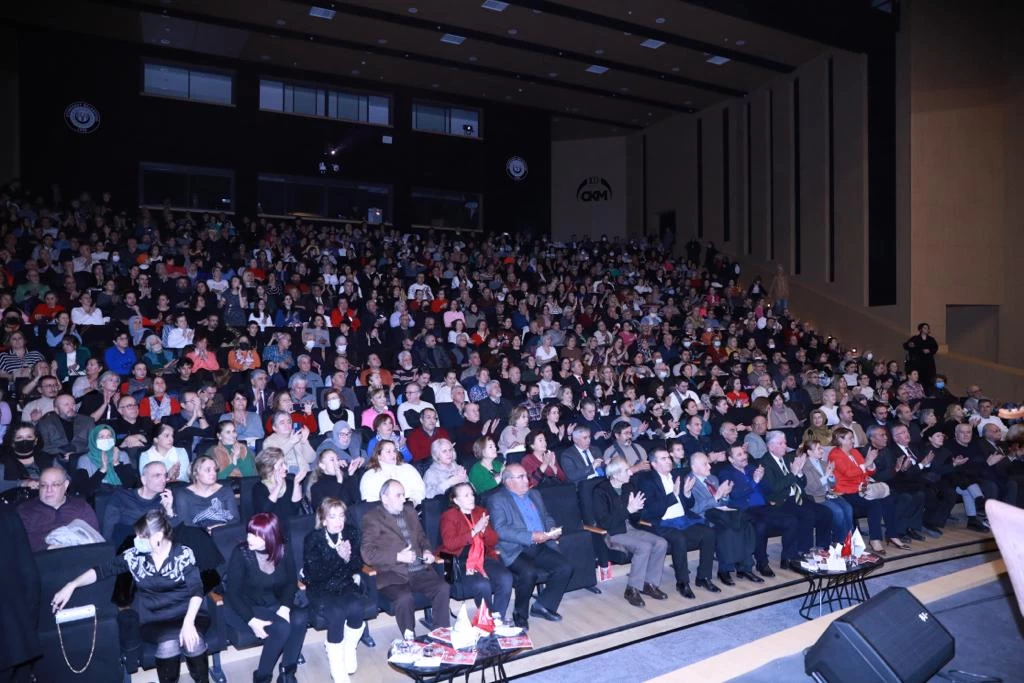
519, 642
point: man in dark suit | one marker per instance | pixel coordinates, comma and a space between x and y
892, 466
396, 545
260, 398
917, 473
54, 428
783, 487
668, 499
578, 461
528, 544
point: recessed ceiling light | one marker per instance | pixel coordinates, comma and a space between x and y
675, 69
520, 90
598, 51
659, 20
472, 58
635, 120
164, 41
382, 41
321, 12
434, 85
624, 89
741, 43
413, 10
650, 114
508, 97
355, 72
513, 31
537, 11
363, 62
453, 39
626, 33
167, 29
552, 74
652, 43
596, 69
281, 22
265, 57
717, 60
688, 102
495, 5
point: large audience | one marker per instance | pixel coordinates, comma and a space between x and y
152, 361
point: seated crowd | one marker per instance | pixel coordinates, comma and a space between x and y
153, 363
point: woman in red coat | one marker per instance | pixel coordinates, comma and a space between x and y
541, 464
466, 533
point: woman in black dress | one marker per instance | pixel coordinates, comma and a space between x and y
168, 598
330, 563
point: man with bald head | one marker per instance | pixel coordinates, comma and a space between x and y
65, 433
53, 508
528, 543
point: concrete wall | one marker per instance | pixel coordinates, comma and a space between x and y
580, 207
10, 142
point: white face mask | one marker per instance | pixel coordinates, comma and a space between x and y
334, 403
105, 444
310, 343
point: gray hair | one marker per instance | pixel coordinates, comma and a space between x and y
435, 448
258, 373
387, 486
108, 374
579, 431
774, 435
615, 466
721, 429
873, 429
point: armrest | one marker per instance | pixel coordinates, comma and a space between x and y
595, 530
644, 522
369, 571
217, 598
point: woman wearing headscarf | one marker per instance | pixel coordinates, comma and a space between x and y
104, 466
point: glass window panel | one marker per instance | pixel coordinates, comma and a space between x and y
305, 199
429, 118
164, 186
380, 110
271, 195
159, 79
348, 106
210, 87
461, 118
304, 101
442, 208
272, 95
210, 192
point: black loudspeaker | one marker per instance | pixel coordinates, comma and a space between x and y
892, 637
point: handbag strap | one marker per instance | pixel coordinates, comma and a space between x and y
92, 648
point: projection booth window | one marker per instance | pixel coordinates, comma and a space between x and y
186, 187
446, 209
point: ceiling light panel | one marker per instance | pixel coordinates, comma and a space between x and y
597, 69
652, 44
453, 39
718, 60
495, 5
321, 12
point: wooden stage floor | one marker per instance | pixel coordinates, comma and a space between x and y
596, 623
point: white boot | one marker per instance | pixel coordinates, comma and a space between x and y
336, 660
351, 642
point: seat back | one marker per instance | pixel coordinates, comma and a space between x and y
227, 538
563, 505
245, 506
431, 510
298, 528
586, 499
56, 568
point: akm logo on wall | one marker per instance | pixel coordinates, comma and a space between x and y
516, 168
82, 117
594, 189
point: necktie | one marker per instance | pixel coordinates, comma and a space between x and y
710, 487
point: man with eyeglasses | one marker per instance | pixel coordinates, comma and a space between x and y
53, 508
528, 543
49, 387
131, 431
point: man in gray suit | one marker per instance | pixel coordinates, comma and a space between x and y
735, 537
578, 461
527, 541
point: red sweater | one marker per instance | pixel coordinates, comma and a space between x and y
419, 442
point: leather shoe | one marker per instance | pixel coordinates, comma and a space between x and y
933, 531
901, 543
791, 565
653, 591
915, 534
708, 586
726, 578
632, 596
765, 570
978, 525
538, 610
749, 576
685, 590
521, 622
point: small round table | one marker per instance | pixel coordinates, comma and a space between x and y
489, 655
832, 590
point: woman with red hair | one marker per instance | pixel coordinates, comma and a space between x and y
260, 594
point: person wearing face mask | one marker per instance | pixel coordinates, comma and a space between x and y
168, 597
23, 462
334, 412
104, 466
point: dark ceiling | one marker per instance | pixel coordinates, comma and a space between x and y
529, 52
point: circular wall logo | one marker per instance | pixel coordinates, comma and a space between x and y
82, 117
516, 168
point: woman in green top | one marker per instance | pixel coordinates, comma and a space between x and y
486, 473
233, 457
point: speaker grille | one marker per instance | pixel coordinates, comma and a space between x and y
901, 630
